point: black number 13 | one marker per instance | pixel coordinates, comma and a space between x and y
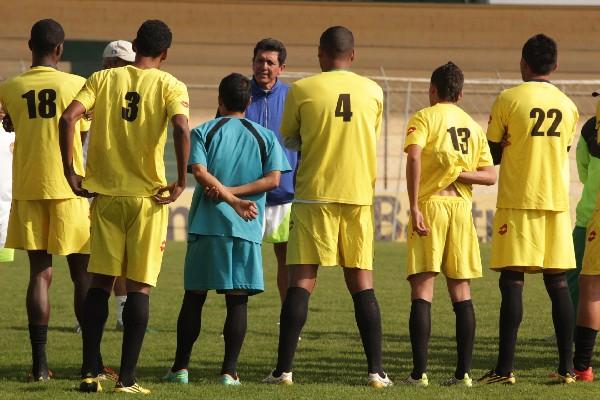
130, 112
463, 134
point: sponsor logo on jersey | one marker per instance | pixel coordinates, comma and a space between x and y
411, 130
163, 245
503, 229
185, 104
592, 236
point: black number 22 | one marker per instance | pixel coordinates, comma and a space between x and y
343, 108
130, 112
540, 115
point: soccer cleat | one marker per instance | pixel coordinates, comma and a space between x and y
44, 377
119, 326
229, 380
284, 379
135, 388
566, 379
108, 374
492, 377
180, 376
465, 381
585, 375
377, 382
89, 384
423, 382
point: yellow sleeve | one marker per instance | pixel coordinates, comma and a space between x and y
84, 124
379, 113
290, 120
485, 156
87, 94
497, 124
177, 100
417, 131
574, 131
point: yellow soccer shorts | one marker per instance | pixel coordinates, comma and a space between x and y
591, 256
60, 227
452, 246
128, 237
532, 240
330, 234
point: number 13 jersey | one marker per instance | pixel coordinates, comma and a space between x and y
334, 119
539, 123
131, 110
35, 100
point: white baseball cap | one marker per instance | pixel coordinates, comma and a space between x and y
121, 49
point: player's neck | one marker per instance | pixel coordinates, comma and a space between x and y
44, 61
233, 114
537, 78
147, 62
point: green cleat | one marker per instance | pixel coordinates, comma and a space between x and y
180, 376
229, 380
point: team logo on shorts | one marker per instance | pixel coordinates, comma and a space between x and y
592, 236
163, 245
503, 229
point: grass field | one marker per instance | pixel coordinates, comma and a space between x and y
329, 363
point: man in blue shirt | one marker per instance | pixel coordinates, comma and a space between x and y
266, 109
229, 156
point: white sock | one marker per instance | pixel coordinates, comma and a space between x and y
120, 301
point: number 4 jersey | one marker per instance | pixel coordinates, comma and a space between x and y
538, 122
131, 109
35, 101
451, 142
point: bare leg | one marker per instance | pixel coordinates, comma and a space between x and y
81, 281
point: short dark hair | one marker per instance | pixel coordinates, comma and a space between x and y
153, 37
540, 54
270, 44
337, 41
448, 79
46, 34
235, 92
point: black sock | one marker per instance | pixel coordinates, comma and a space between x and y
511, 314
38, 336
465, 336
188, 328
368, 320
293, 316
234, 332
95, 313
585, 338
135, 322
419, 326
562, 317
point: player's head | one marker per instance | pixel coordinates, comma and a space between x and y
118, 54
47, 38
234, 94
336, 48
268, 62
153, 39
539, 56
446, 84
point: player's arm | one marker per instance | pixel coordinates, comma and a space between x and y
497, 131
413, 175
181, 142
482, 176
244, 208
268, 182
66, 128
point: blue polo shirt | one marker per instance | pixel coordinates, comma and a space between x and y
266, 109
235, 151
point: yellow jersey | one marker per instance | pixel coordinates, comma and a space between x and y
451, 142
335, 117
541, 122
35, 100
132, 108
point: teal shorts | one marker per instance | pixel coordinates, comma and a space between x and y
223, 263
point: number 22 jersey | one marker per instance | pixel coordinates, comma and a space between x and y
35, 100
540, 122
131, 109
334, 119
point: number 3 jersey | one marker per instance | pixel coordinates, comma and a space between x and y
451, 142
131, 109
539, 123
35, 101
334, 119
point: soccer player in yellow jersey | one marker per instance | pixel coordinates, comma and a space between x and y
46, 217
447, 152
530, 131
334, 119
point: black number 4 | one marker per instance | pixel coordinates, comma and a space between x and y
130, 112
343, 108
540, 115
47, 103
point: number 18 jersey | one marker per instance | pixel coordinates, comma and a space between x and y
336, 118
131, 109
35, 100
539, 121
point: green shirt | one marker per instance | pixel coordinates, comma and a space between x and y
588, 168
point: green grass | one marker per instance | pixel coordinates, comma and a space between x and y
329, 363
